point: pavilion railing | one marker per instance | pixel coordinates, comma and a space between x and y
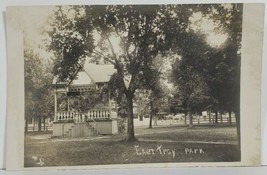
75, 116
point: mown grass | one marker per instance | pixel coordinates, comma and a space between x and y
226, 134
114, 150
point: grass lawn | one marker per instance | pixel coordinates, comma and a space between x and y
157, 145
224, 133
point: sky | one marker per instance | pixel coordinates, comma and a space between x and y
31, 20
207, 26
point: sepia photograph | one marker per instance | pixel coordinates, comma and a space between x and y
131, 84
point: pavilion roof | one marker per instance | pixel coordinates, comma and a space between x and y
91, 73
99, 72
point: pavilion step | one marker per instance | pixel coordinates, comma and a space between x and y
80, 130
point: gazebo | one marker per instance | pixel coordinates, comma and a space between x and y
73, 123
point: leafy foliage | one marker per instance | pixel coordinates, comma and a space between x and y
206, 77
71, 41
38, 95
189, 72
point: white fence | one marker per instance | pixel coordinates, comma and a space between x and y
76, 116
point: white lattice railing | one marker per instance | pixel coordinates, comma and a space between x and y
82, 117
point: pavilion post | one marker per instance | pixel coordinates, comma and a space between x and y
68, 103
55, 96
109, 106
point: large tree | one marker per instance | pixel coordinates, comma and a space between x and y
228, 18
38, 96
142, 31
189, 73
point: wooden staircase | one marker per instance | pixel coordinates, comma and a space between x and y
84, 129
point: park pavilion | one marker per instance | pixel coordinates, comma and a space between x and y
74, 123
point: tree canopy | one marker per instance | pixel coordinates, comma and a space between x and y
38, 97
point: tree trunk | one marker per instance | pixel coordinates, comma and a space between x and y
150, 121
130, 129
209, 113
221, 117
190, 117
230, 118
151, 114
33, 129
44, 123
39, 124
26, 125
237, 115
155, 120
185, 118
216, 117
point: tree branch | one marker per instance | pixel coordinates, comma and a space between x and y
126, 46
104, 57
75, 74
112, 49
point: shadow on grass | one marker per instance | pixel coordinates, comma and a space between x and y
33, 133
122, 152
215, 146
